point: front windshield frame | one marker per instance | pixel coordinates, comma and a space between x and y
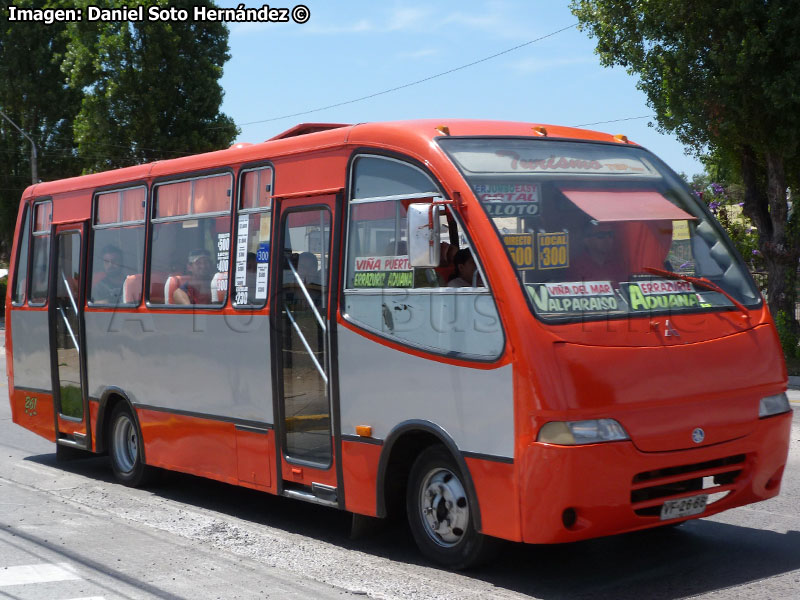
666, 179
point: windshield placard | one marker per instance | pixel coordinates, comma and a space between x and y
553, 250
659, 294
520, 247
383, 271
572, 297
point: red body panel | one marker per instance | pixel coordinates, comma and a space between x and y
255, 454
596, 481
94, 409
495, 486
360, 468
34, 411
191, 445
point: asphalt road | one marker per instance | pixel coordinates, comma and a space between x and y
68, 531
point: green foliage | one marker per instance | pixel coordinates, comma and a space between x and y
35, 95
151, 89
717, 73
3, 287
725, 201
96, 96
786, 335
724, 76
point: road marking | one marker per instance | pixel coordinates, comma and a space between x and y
89, 598
43, 573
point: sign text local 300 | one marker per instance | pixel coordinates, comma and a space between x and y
553, 250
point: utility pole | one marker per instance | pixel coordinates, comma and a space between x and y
34, 157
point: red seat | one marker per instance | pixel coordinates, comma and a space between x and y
132, 289
171, 284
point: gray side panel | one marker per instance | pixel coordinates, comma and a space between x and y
211, 364
31, 338
381, 387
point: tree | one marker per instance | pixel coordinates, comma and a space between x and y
35, 95
150, 88
724, 76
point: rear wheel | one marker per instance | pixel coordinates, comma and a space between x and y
125, 449
441, 517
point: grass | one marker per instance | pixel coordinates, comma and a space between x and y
71, 401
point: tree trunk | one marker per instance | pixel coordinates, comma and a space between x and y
766, 204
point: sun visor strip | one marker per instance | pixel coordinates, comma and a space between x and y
625, 205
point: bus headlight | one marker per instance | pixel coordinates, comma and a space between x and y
571, 433
773, 405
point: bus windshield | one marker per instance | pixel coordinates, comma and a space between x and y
599, 230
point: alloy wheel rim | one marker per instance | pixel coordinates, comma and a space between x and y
126, 444
444, 509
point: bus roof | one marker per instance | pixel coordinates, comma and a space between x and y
307, 137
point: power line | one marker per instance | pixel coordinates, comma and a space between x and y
413, 83
614, 121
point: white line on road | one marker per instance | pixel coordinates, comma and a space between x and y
43, 573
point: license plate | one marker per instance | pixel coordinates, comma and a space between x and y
685, 507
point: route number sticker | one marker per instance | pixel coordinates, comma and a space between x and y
553, 250
520, 248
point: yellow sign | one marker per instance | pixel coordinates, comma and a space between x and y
553, 250
680, 230
520, 247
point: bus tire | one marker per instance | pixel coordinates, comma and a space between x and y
125, 448
440, 515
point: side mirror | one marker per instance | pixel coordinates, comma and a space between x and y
424, 235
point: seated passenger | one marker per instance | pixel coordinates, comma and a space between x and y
108, 290
465, 271
197, 290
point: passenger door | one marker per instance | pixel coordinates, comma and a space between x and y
302, 317
67, 353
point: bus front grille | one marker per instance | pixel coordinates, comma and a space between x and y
715, 477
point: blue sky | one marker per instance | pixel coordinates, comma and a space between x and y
349, 49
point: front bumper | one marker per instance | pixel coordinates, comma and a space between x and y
613, 488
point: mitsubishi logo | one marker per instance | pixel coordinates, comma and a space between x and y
670, 331
698, 435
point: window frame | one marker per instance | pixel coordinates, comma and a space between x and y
27, 225
41, 233
344, 290
153, 221
235, 231
663, 168
120, 225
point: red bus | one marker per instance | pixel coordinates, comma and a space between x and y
504, 330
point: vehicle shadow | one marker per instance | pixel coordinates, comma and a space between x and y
699, 557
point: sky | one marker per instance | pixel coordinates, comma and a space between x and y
349, 49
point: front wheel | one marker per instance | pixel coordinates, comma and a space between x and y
441, 517
125, 449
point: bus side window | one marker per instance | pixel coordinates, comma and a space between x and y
118, 247
40, 259
433, 309
253, 238
21, 275
190, 255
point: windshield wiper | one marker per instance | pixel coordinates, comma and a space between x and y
700, 282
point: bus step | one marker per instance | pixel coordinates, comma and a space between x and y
318, 494
76, 440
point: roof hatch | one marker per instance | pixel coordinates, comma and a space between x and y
304, 128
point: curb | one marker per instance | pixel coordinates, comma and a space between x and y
794, 383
